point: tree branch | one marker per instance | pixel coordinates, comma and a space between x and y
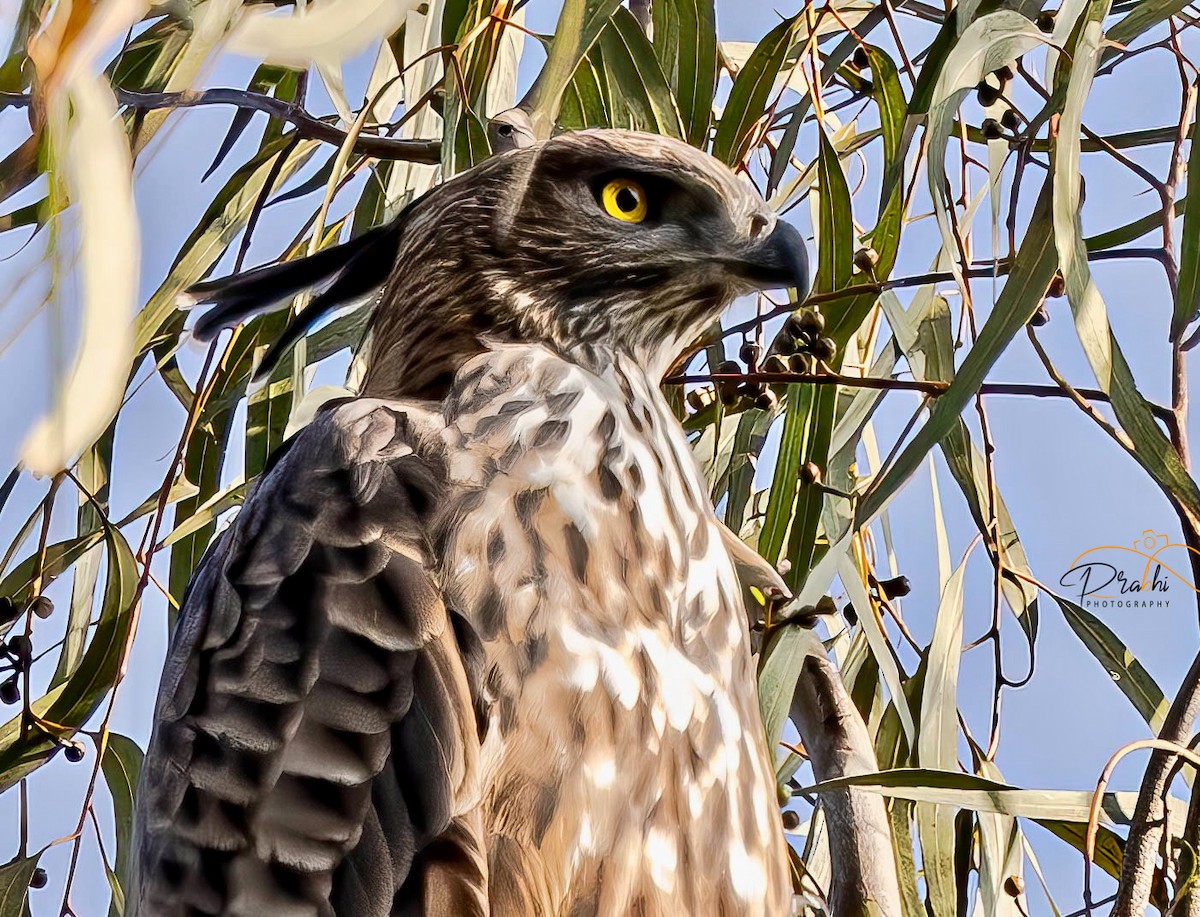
428, 152
930, 387
1150, 815
860, 837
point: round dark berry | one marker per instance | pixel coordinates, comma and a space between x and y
824, 349
801, 363
73, 752
812, 321
865, 259
10, 691
861, 59
38, 879
749, 353
791, 820
987, 94
1045, 21
695, 400
1014, 886
728, 368
21, 647
850, 614
785, 344
896, 588
991, 129
1004, 74
810, 473
728, 393
766, 400
1040, 317
42, 607
775, 364
1010, 119
1058, 286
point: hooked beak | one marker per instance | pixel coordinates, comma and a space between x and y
778, 261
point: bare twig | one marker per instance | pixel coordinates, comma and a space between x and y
428, 152
928, 387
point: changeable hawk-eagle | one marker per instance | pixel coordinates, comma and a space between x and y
475, 644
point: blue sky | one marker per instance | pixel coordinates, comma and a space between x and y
1067, 486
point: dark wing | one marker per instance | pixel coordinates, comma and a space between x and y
315, 740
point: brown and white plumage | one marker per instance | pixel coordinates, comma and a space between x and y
475, 644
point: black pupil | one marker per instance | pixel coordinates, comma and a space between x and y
627, 200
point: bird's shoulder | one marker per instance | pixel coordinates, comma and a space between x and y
356, 452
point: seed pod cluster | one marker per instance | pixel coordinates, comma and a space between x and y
732, 392
15, 654
989, 92
802, 344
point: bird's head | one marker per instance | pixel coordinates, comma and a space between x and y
597, 243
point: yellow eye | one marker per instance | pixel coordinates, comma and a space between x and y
625, 199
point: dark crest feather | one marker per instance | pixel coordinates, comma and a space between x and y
350, 271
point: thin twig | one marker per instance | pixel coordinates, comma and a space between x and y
428, 152
928, 387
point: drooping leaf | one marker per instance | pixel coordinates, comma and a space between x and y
121, 762
685, 42
751, 92
937, 742
14, 885
65, 708
1129, 675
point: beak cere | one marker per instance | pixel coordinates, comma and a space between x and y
780, 260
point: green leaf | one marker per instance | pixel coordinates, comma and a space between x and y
937, 741
1122, 666
1151, 447
92, 473
900, 815
579, 25
751, 91
219, 226
835, 223
1187, 297
967, 791
14, 885
65, 708
121, 763
1110, 848
619, 84
1144, 16
18, 585
1130, 232
1031, 273
685, 42
783, 659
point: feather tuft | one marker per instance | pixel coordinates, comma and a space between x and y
348, 272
